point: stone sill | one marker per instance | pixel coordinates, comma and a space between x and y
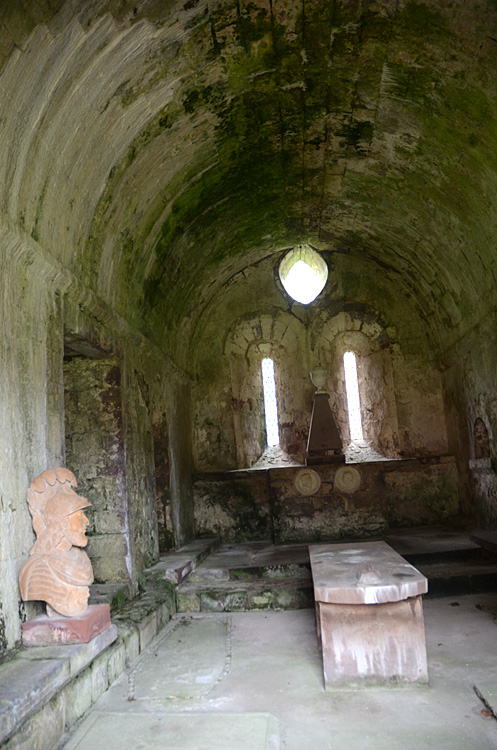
44, 690
385, 465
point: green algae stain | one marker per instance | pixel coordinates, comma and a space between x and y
256, 131
39, 210
162, 122
212, 95
358, 134
420, 19
413, 83
252, 24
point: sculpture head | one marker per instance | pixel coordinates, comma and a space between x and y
57, 510
57, 572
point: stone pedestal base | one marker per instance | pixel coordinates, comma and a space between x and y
47, 631
375, 643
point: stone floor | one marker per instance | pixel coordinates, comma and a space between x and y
253, 681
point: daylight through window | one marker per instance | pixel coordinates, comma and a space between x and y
270, 405
303, 273
302, 283
353, 401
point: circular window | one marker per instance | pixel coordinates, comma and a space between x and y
303, 273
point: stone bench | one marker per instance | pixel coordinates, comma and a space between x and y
369, 613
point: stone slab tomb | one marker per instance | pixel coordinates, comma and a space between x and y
369, 613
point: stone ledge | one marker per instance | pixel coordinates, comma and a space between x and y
176, 566
116, 595
77, 656
26, 685
487, 539
44, 690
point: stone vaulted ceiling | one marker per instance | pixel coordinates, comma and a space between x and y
156, 148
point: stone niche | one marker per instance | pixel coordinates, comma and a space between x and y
334, 502
402, 409
95, 451
115, 465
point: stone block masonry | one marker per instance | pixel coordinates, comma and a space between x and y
250, 505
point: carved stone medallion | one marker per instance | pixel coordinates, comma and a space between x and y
347, 479
307, 481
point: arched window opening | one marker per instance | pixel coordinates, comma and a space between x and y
353, 399
270, 404
303, 273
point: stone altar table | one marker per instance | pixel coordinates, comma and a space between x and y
369, 613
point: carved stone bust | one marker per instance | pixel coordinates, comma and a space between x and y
58, 571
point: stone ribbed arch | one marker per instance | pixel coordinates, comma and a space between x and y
120, 139
274, 330
133, 139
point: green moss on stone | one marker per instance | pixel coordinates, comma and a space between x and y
358, 134
420, 19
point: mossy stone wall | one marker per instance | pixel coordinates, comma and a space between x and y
243, 506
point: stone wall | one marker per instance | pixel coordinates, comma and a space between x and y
95, 452
149, 216
234, 506
31, 438
469, 380
162, 480
242, 506
111, 403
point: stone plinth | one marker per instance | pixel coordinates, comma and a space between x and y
369, 613
46, 631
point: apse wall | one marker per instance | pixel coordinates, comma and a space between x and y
403, 410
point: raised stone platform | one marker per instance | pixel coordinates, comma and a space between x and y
47, 689
35, 677
369, 614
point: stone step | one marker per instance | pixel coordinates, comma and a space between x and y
246, 595
486, 539
113, 594
175, 566
248, 573
455, 578
474, 555
258, 576
261, 588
